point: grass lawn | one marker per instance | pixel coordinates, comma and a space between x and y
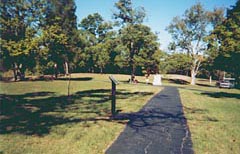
213, 116
38, 117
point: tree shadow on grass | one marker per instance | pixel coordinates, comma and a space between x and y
196, 89
205, 85
178, 81
222, 95
36, 113
51, 78
76, 79
194, 110
22, 114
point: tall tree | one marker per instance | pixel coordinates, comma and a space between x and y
227, 36
19, 25
60, 19
53, 49
188, 33
130, 18
98, 32
137, 48
216, 17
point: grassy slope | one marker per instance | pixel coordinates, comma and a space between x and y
37, 117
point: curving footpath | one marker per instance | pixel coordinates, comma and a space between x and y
159, 128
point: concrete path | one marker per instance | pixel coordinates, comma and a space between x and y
159, 128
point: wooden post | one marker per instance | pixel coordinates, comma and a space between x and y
69, 80
113, 108
113, 96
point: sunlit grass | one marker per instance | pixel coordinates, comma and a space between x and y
213, 118
38, 117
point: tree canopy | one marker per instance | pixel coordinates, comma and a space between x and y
138, 47
43, 37
189, 33
126, 14
226, 36
19, 26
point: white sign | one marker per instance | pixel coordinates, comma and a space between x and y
157, 80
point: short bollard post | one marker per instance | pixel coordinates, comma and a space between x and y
113, 96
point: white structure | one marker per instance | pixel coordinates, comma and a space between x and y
157, 80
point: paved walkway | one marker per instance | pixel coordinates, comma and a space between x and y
159, 128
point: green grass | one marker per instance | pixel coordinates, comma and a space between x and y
38, 117
213, 117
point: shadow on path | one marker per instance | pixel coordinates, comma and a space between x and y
159, 128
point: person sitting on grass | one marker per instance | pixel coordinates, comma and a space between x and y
133, 80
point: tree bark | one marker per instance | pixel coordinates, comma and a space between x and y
55, 70
66, 68
14, 72
21, 69
18, 71
132, 67
69, 80
210, 79
194, 69
193, 77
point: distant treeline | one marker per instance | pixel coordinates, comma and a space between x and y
43, 37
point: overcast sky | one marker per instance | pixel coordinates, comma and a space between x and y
159, 12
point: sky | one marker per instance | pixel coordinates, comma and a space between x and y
159, 12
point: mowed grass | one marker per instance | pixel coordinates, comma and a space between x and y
37, 116
213, 117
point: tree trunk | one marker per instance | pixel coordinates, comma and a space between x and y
193, 77
21, 69
210, 79
55, 70
237, 78
132, 67
66, 68
14, 73
69, 80
132, 78
194, 70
